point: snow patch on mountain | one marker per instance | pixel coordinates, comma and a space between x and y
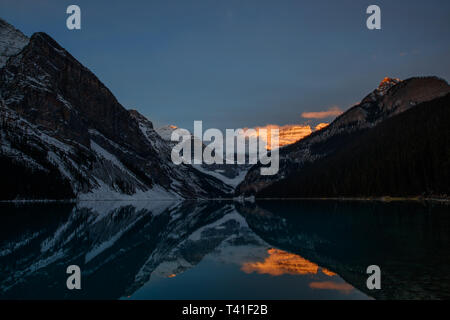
106, 192
234, 182
165, 132
12, 41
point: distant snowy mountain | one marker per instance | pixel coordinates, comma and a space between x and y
64, 134
166, 132
230, 174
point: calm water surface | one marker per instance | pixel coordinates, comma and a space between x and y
225, 250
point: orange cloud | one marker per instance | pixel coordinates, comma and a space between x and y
331, 112
330, 285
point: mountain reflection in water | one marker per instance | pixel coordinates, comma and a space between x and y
225, 250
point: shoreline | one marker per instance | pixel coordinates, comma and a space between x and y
378, 199
386, 199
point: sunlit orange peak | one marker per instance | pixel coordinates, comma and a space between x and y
288, 134
386, 79
328, 272
322, 125
389, 81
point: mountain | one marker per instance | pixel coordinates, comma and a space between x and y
406, 155
64, 134
230, 174
12, 41
310, 161
165, 132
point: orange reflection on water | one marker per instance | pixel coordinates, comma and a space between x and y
280, 262
330, 285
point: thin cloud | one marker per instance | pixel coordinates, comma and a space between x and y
331, 112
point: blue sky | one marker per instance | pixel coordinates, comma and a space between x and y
244, 63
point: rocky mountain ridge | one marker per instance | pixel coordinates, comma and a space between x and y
57, 116
391, 98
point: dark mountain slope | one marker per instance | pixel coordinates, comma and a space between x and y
59, 124
406, 155
391, 98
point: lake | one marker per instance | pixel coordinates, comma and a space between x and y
225, 250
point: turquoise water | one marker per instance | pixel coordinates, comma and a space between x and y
225, 250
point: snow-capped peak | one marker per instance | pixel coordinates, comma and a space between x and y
12, 41
386, 84
166, 132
